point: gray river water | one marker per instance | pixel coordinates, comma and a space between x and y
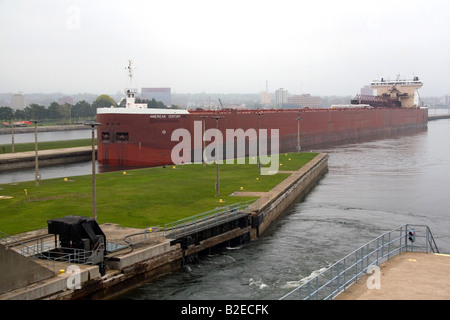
371, 187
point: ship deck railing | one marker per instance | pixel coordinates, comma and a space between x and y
336, 278
206, 220
288, 110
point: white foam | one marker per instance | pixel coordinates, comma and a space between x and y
257, 283
298, 283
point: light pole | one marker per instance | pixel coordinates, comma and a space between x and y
37, 177
217, 157
257, 141
298, 133
94, 195
203, 138
12, 136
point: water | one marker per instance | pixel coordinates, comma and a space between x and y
371, 188
49, 172
46, 136
57, 171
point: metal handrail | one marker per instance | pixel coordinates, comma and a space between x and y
336, 278
205, 220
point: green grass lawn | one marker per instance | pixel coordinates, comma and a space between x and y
46, 145
140, 198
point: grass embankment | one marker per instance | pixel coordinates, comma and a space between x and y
140, 198
46, 145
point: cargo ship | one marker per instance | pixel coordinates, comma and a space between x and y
137, 136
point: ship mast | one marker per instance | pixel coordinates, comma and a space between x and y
130, 92
130, 72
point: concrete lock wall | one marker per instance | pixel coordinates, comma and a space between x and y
293, 187
18, 271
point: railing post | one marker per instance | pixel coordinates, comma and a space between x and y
378, 249
345, 272
362, 259
309, 289
389, 245
331, 280
406, 237
338, 275
317, 288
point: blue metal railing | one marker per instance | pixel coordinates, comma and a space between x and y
205, 220
336, 278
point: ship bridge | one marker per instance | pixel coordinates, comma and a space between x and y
392, 93
403, 91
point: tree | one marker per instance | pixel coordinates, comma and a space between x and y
156, 104
20, 115
35, 112
104, 101
65, 112
6, 113
82, 110
53, 111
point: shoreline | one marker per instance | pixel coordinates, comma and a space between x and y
44, 128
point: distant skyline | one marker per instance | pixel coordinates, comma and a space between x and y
320, 47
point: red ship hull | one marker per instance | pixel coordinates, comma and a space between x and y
134, 140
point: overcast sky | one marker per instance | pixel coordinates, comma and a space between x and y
319, 47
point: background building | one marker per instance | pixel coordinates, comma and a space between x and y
18, 101
366, 91
304, 100
445, 100
159, 94
64, 100
281, 96
266, 98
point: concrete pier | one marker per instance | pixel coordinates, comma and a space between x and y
30, 129
438, 116
21, 160
408, 276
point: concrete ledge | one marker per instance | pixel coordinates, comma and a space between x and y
139, 255
44, 128
20, 160
438, 116
42, 289
273, 203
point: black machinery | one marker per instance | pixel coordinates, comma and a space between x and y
81, 240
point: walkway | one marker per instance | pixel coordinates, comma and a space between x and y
408, 276
21, 160
54, 152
